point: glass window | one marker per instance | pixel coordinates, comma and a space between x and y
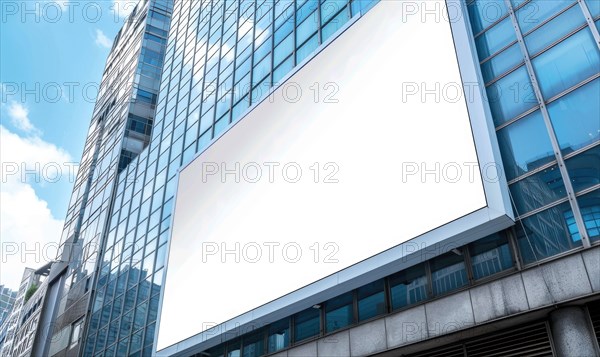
496, 38
362, 6
76, 331
284, 49
525, 145
584, 169
589, 205
575, 117
371, 300
306, 49
568, 63
339, 312
262, 69
490, 255
554, 30
331, 7
215, 352
538, 190
334, 25
233, 349
538, 11
511, 96
254, 345
408, 286
306, 9
594, 7
262, 51
283, 70
307, 324
547, 233
279, 335
502, 62
283, 31
307, 28
483, 13
448, 273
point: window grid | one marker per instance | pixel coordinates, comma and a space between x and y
169, 104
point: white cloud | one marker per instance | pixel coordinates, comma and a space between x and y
19, 117
102, 40
29, 234
123, 8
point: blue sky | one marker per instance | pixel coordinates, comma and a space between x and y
52, 55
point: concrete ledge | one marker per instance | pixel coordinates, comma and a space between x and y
591, 260
558, 280
499, 298
525, 293
368, 338
406, 327
449, 314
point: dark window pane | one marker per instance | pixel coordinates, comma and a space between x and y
307, 324
575, 117
218, 351
339, 312
233, 349
279, 335
538, 190
584, 169
371, 300
254, 345
490, 255
589, 205
408, 286
547, 233
448, 273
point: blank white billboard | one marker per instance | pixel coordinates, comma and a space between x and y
364, 148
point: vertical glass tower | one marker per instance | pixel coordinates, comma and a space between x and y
541, 75
119, 130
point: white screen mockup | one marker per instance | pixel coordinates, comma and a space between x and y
241, 240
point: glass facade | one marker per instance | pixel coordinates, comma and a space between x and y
223, 56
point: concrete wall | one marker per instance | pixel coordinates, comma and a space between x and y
522, 294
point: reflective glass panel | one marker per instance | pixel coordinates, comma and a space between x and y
584, 169
408, 286
576, 117
448, 273
525, 145
490, 255
547, 233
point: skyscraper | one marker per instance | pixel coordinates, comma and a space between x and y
120, 129
7, 300
538, 68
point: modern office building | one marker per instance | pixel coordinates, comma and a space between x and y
18, 331
532, 288
24, 329
119, 130
7, 300
528, 287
